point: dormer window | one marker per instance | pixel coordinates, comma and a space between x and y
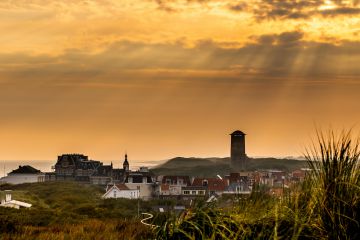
205, 183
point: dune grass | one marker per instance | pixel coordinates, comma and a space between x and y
335, 180
325, 206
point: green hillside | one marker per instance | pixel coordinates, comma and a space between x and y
210, 167
70, 210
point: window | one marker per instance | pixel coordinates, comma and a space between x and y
205, 182
114, 193
193, 192
186, 192
201, 192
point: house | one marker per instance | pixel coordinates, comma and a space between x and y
121, 191
213, 185
142, 180
239, 183
78, 167
171, 185
273, 178
8, 202
190, 192
176, 180
300, 174
24, 174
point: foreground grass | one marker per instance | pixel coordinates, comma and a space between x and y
90, 229
68, 210
325, 206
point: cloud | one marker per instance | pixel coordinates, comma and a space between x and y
340, 11
266, 55
237, 7
289, 9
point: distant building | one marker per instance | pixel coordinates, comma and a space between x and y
300, 174
78, 167
239, 183
238, 156
121, 191
171, 185
143, 180
190, 192
212, 185
24, 174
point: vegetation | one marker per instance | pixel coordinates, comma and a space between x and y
325, 206
210, 167
68, 210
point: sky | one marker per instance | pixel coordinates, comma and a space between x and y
164, 78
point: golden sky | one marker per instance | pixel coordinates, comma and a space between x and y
166, 78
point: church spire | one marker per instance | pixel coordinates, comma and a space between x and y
126, 163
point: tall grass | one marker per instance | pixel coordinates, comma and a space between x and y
335, 180
325, 206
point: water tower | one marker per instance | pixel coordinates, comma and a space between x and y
238, 155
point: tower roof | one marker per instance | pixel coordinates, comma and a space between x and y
126, 160
238, 132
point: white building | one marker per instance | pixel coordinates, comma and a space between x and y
121, 191
24, 174
8, 202
143, 181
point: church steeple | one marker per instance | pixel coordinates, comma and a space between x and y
126, 164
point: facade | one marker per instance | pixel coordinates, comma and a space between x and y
24, 174
212, 185
172, 185
238, 156
142, 180
239, 183
194, 191
78, 167
121, 191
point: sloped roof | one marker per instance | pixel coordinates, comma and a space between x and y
213, 184
26, 169
119, 186
122, 186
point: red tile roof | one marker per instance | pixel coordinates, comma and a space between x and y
122, 186
213, 184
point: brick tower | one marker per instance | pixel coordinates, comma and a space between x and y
238, 155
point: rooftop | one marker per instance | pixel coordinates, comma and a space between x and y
26, 169
238, 132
